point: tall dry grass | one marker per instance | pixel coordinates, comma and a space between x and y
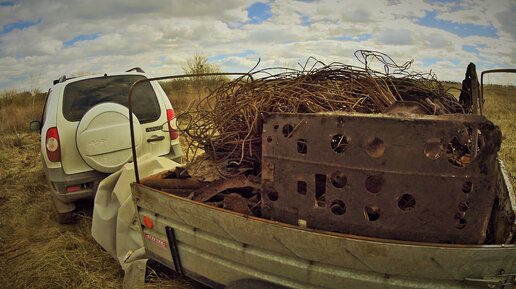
181, 93
184, 93
500, 108
17, 109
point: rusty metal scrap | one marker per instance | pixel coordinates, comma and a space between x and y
237, 203
231, 194
227, 123
385, 176
189, 184
207, 192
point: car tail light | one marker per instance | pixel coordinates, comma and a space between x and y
147, 222
72, 189
52, 145
171, 130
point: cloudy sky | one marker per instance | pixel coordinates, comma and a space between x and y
41, 40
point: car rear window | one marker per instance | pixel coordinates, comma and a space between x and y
82, 95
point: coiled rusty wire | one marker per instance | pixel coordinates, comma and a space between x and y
227, 123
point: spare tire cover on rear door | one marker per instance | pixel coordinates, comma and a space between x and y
103, 137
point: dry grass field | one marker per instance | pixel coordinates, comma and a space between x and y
500, 108
37, 252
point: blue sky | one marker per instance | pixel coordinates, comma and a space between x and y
463, 30
259, 12
18, 25
7, 3
81, 37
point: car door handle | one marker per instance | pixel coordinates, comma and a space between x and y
155, 138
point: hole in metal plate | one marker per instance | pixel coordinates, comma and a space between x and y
339, 143
338, 179
301, 187
302, 146
320, 190
406, 202
374, 184
287, 129
372, 213
338, 207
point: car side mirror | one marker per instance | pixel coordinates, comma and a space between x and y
35, 125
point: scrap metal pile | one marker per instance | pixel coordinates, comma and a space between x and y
227, 124
239, 194
288, 150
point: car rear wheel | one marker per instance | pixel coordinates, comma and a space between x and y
65, 218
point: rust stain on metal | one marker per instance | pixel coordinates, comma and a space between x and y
239, 193
236, 203
209, 191
388, 176
174, 184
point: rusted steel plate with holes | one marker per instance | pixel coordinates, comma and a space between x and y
404, 177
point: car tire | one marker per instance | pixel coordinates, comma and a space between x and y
64, 213
65, 218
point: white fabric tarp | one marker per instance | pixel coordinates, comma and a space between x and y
115, 223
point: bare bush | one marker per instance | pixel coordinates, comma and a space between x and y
183, 91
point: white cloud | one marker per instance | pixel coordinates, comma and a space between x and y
395, 37
476, 12
437, 41
160, 35
29, 42
507, 20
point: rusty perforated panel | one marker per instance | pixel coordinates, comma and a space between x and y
386, 176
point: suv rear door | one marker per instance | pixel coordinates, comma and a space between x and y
79, 96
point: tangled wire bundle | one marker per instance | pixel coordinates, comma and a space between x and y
227, 123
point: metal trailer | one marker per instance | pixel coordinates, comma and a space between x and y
226, 249
220, 247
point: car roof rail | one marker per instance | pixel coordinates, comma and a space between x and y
60, 79
137, 69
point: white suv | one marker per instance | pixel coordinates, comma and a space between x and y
85, 132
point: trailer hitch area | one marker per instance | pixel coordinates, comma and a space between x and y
501, 281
